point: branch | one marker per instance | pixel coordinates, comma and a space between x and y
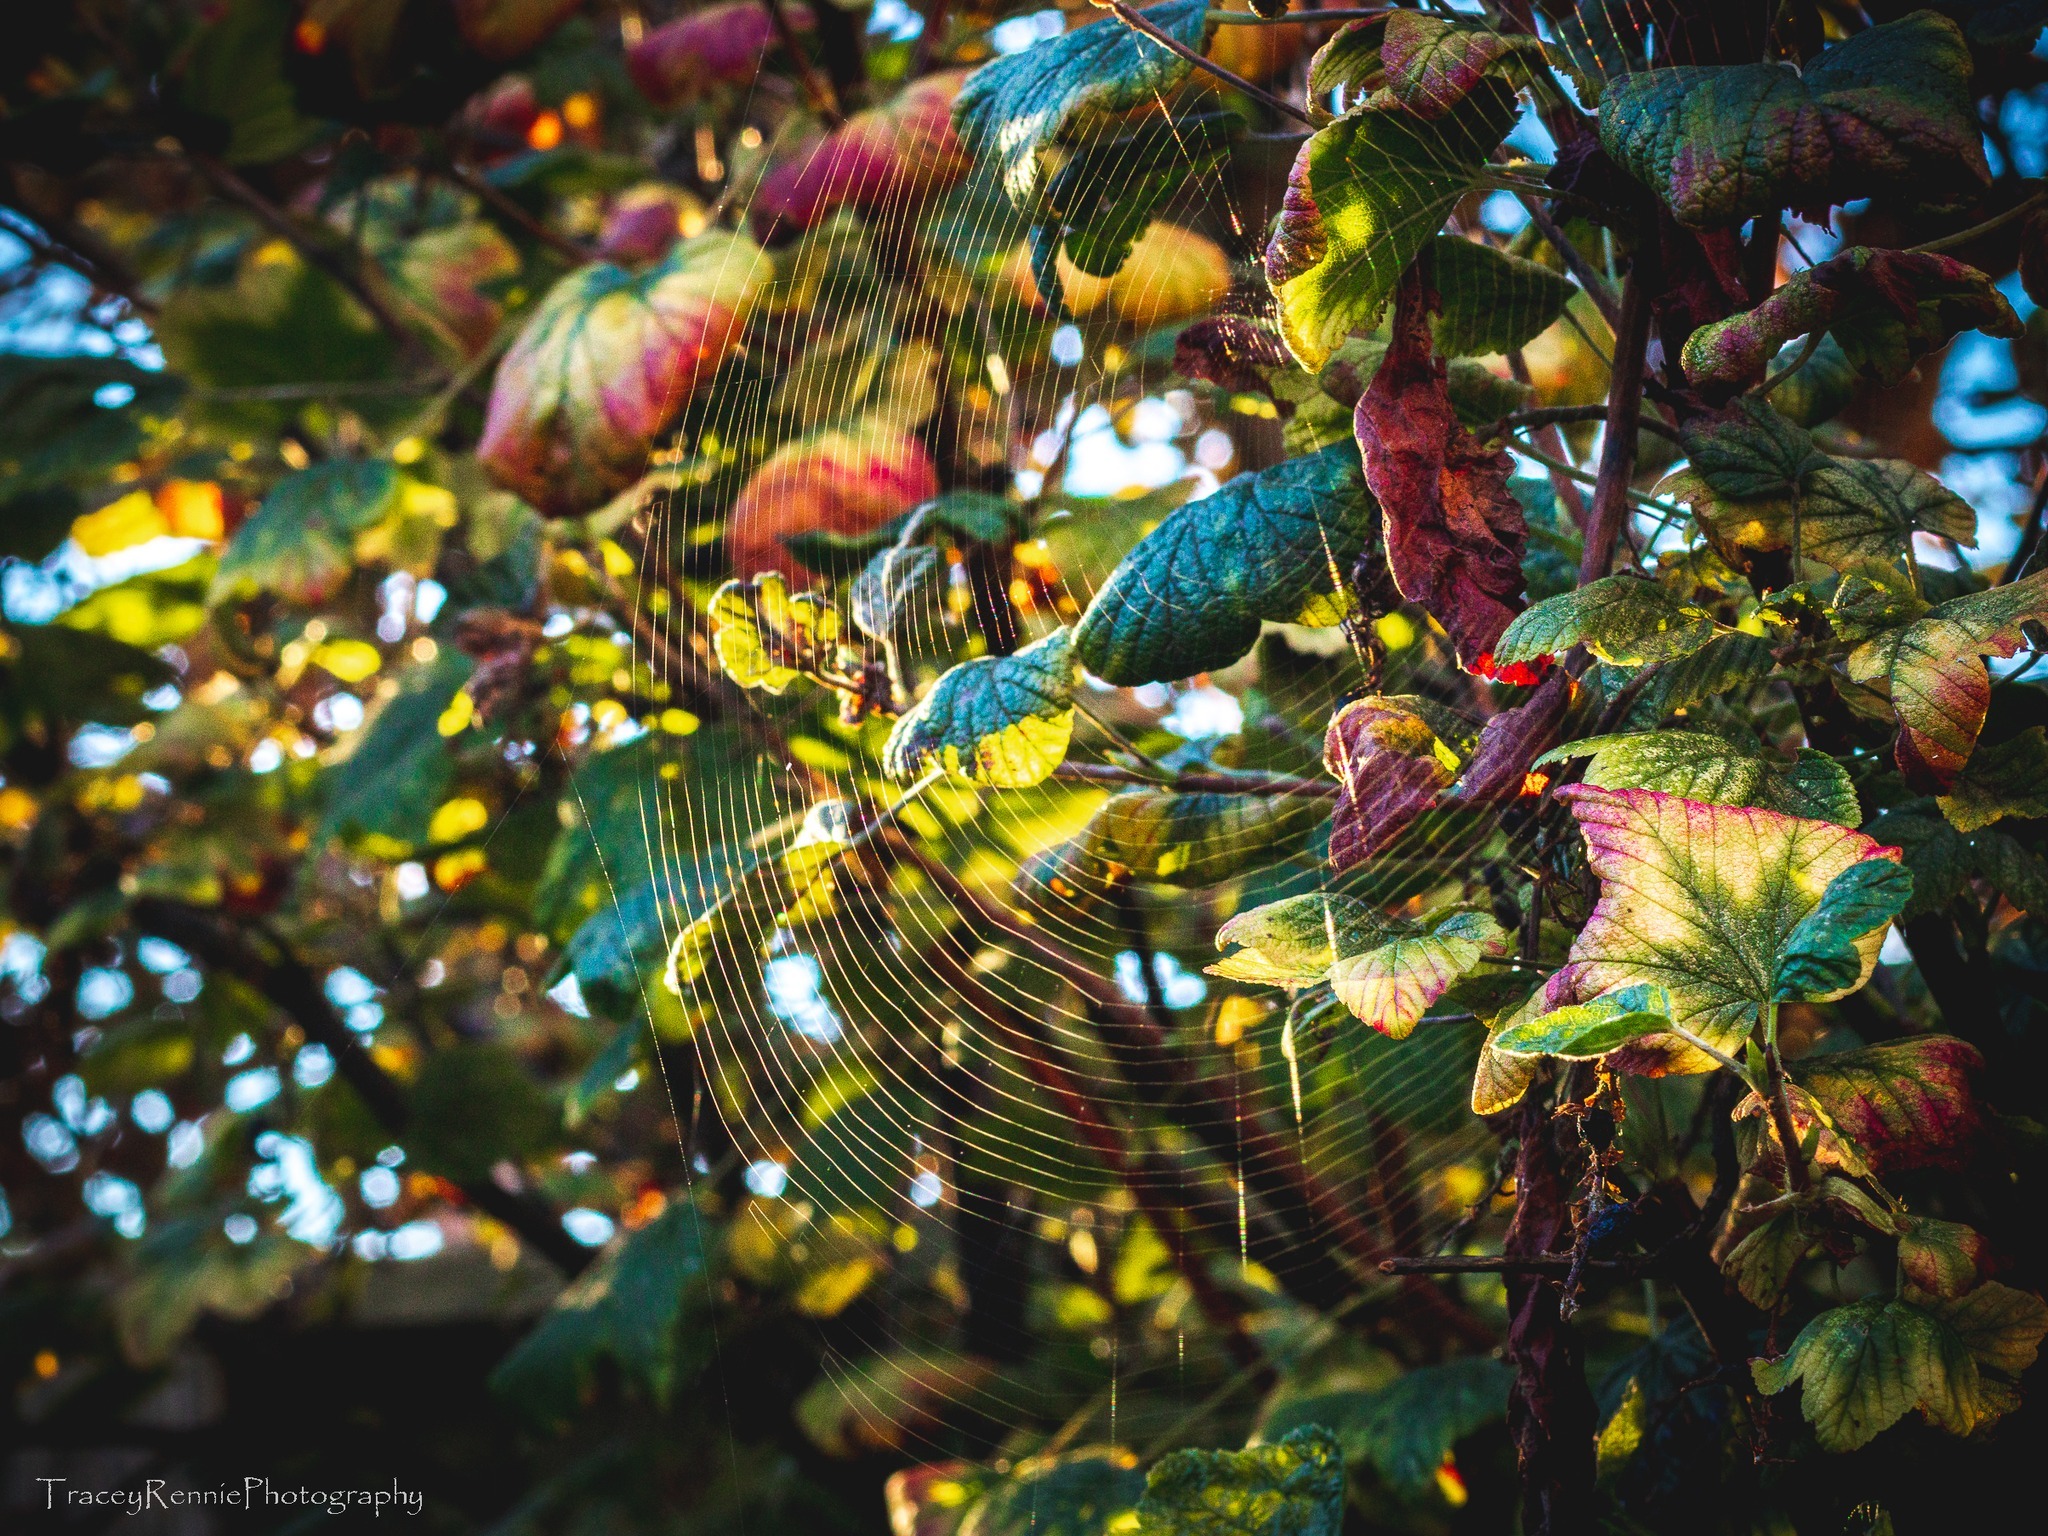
507, 207
1100, 1134
1138, 23
315, 253
292, 988
1624, 415
1248, 1141
1202, 783
820, 93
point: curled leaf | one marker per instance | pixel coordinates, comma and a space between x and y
604, 363
1889, 111
1276, 544
1454, 532
1943, 1258
1623, 619
1885, 309
1013, 111
1295, 1485
1934, 671
1393, 762
1391, 985
999, 721
1195, 840
1366, 194
837, 481
1295, 941
1908, 1104
1584, 1031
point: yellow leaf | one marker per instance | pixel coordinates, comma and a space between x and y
122, 524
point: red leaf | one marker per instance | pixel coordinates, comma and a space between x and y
1392, 765
1229, 351
1906, 1105
1454, 533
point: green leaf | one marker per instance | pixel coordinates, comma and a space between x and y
1295, 941
1857, 510
1763, 1261
1934, 671
1718, 770
1366, 194
1386, 971
1292, 1488
1887, 111
2001, 1328
628, 1307
396, 769
1942, 1258
234, 75
2008, 778
1391, 985
1627, 620
1013, 111
1908, 1104
1823, 956
1823, 387
1702, 900
1492, 302
1273, 545
1195, 840
1885, 309
1728, 664
55, 435
49, 673
301, 543
1752, 453
1432, 64
1079, 1493
1865, 1366
1000, 721
1584, 1031
1410, 1427
474, 1106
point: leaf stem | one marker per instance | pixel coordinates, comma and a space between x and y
1965, 236
1138, 23
1589, 278
815, 85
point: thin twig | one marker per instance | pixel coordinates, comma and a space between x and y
1589, 278
1564, 415
1202, 783
1965, 236
815, 85
1294, 18
315, 253
509, 208
1138, 23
